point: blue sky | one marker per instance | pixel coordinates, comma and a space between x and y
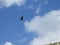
13, 31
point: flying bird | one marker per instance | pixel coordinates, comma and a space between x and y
21, 18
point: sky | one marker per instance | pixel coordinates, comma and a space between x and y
40, 26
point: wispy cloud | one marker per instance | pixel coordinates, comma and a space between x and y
8, 43
46, 2
30, 6
8, 3
22, 41
37, 10
48, 26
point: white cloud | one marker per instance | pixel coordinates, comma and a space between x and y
8, 43
8, 3
48, 26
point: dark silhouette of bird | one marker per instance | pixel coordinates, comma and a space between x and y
21, 18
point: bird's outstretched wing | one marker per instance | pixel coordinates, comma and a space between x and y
21, 18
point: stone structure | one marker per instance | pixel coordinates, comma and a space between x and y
56, 43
